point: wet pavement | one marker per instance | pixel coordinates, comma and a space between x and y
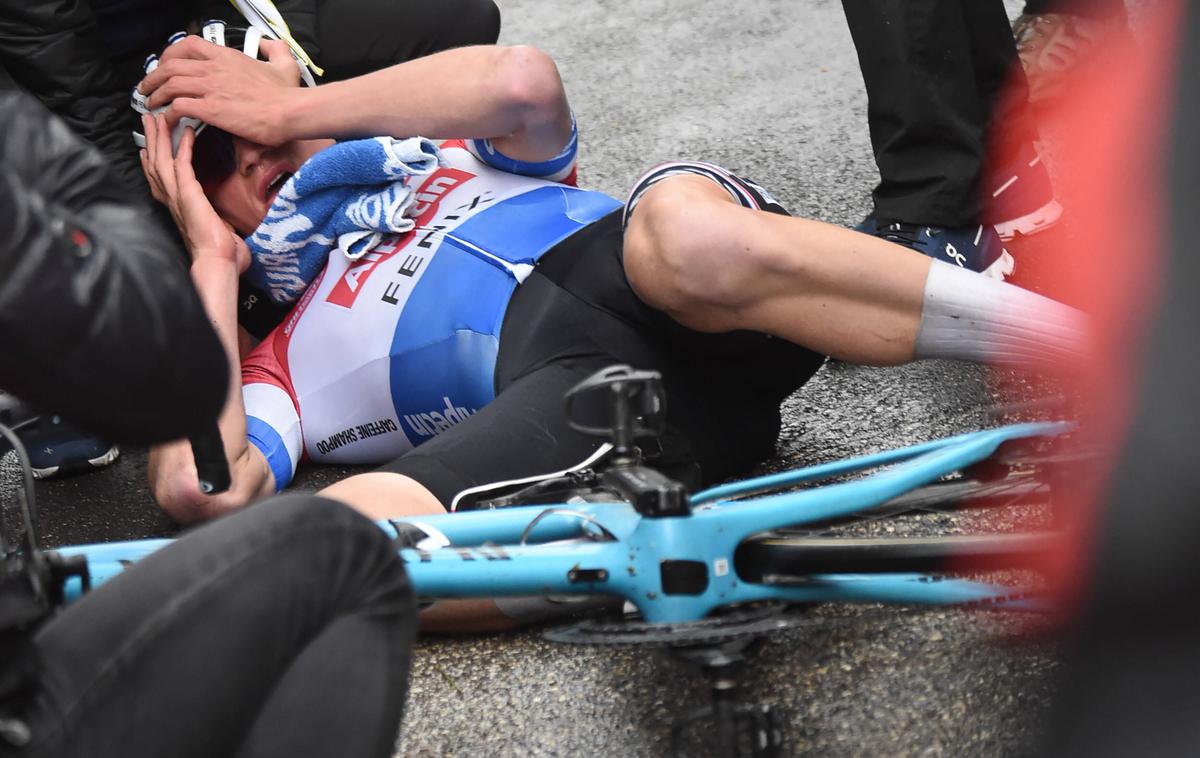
771, 90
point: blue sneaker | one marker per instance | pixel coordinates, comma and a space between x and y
978, 248
54, 447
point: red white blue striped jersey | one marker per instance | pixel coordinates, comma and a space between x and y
387, 351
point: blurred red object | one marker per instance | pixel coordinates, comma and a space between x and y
1109, 137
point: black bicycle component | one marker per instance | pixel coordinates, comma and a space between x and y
636, 408
731, 625
574, 486
586, 576
652, 494
683, 577
726, 726
770, 558
31, 580
212, 468
743, 730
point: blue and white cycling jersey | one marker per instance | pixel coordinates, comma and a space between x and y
387, 351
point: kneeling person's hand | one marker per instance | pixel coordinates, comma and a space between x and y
173, 183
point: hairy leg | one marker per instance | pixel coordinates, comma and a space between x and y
715, 266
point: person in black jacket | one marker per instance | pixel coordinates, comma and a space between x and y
82, 57
84, 275
283, 631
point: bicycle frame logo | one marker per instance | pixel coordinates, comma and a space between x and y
469, 554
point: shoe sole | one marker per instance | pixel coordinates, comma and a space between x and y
98, 462
1031, 223
1001, 268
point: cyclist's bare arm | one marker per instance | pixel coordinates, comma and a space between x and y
512, 95
218, 258
171, 468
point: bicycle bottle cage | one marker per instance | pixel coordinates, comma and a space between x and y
636, 410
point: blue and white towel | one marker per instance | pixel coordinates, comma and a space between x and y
345, 198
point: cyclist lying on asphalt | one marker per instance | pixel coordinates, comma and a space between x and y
444, 351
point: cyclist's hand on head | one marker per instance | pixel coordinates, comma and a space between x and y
173, 183
224, 87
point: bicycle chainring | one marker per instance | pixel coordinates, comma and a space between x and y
732, 625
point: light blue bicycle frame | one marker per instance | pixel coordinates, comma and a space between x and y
610, 549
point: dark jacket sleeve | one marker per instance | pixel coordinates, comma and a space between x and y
54, 49
98, 319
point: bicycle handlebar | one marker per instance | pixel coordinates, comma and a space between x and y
212, 469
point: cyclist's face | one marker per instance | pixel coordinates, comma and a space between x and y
243, 195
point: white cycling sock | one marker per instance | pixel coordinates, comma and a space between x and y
971, 317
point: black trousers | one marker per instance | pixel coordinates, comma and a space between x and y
935, 72
282, 630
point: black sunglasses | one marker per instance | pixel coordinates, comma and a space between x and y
213, 155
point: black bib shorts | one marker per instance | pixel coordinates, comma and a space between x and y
577, 314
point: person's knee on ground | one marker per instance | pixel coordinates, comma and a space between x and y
685, 254
232, 624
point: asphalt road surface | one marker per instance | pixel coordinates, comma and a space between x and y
770, 89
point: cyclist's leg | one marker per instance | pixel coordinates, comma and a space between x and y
221, 643
572, 317
714, 265
698, 249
